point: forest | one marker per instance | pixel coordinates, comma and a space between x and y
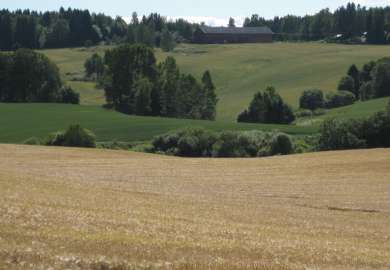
351, 23
74, 28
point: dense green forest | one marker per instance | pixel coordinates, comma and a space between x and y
28, 76
348, 23
135, 84
73, 27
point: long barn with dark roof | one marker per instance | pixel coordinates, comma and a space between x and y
212, 35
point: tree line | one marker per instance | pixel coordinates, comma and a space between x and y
28, 76
75, 28
372, 81
369, 82
135, 84
347, 23
198, 142
372, 132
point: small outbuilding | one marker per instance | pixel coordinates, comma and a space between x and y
217, 35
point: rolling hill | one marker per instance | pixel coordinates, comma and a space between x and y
98, 209
239, 70
19, 122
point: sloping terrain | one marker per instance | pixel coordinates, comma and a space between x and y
94, 209
239, 70
19, 122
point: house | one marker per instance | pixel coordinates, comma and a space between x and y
213, 35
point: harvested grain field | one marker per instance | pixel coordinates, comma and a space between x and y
93, 209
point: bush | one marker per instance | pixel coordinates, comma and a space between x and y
341, 134
281, 144
346, 83
353, 134
305, 145
32, 141
94, 66
163, 143
116, 145
339, 99
69, 96
193, 142
303, 113
202, 143
55, 139
74, 136
319, 112
312, 99
229, 145
28, 76
376, 129
196, 143
79, 137
267, 107
367, 91
381, 79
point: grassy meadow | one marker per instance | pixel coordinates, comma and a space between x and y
239, 70
38, 120
67, 208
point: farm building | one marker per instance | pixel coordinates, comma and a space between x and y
212, 35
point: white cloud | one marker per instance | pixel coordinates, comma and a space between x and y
371, 3
210, 20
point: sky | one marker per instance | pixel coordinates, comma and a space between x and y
212, 12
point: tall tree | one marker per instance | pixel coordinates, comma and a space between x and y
124, 64
381, 80
167, 42
134, 18
211, 100
354, 73
232, 22
169, 81
26, 32
142, 96
6, 32
58, 35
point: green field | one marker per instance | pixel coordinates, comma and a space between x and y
355, 111
238, 71
19, 122
241, 70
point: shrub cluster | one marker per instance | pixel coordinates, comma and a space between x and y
267, 107
28, 76
373, 132
314, 100
74, 136
135, 84
69, 96
203, 143
373, 81
339, 99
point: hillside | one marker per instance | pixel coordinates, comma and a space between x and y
242, 69
19, 122
92, 209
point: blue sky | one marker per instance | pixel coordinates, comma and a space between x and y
214, 12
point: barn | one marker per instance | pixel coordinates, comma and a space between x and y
215, 35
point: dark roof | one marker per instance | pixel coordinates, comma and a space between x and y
236, 30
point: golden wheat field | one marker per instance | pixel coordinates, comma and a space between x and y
97, 209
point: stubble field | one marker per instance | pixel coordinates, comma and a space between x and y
95, 209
